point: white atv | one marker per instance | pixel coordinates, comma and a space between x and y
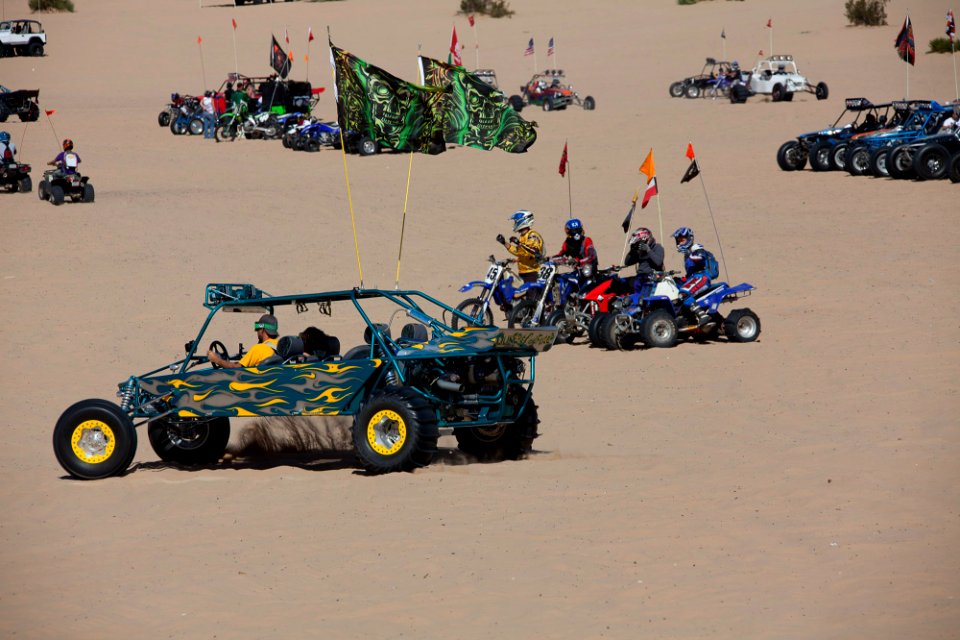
777, 76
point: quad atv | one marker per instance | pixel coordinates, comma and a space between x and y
549, 91
15, 176
22, 103
823, 147
401, 388
56, 186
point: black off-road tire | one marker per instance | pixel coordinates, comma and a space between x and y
565, 333
676, 90
589, 104
791, 157
195, 127
470, 307
206, 443
838, 156
822, 91
659, 330
788, 96
88, 193
367, 146
43, 190
878, 162
858, 161
776, 94
395, 431
955, 168
820, 156
56, 194
512, 441
692, 91
224, 133
547, 104
614, 332
163, 118
932, 162
522, 314
742, 325
25, 185
35, 49
593, 329
517, 103
94, 439
900, 162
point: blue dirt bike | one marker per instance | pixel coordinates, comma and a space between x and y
549, 294
496, 289
659, 320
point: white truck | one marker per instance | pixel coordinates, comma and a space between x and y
22, 37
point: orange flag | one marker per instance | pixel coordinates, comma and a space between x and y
647, 167
690, 153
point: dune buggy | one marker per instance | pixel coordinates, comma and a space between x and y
22, 103
868, 153
401, 389
778, 77
712, 80
549, 91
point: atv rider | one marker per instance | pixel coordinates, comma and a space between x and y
7, 149
648, 256
528, 246
578, 249
67, 160
696, 263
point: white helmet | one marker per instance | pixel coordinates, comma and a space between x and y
522, 219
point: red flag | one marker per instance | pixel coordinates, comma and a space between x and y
199, 40
760, 53
906, 48
690, 153
234, 21
563, 161
650, 192
770, 23
310, 34
286, 36
470, 19
951, 25
455, 49
49, 112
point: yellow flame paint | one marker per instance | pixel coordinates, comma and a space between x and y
274, 401
246, 386
197, 397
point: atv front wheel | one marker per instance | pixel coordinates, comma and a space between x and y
791, 156
522, 314
858, 161
189, 442
659, 330
776, 94
565, 331
615, 332
512, 441
742, 325
395, 431
900, 162
94, 439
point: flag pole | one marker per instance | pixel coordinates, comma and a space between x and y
569, 188
406, 197
236, 60
723, 42
956, 87
556, 54
659, 212
626, 237
53, 129
343, 152
771, 38
203, 68
714, 221
308, 57
534, 55
476, 41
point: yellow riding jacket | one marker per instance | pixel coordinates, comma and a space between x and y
528, 249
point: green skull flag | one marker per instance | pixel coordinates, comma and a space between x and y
397, 114
477, 115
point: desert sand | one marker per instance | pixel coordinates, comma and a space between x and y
803, 486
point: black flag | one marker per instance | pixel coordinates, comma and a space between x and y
279, 60
692, 172
633, 207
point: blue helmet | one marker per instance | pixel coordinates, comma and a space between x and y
4, 137
522, 219
684, 238
573, 226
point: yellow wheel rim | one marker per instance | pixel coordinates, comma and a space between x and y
386, 432
93, 441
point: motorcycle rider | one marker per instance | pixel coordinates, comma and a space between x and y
647, 254
697, 275
7, 149
578, 248
528, 246
67, 160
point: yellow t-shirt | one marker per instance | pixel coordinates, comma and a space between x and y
258, 353
528, 250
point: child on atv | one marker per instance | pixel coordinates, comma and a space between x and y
700, 266
67, 160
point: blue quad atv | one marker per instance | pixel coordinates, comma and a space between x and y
825, 148
659, 320
868, 154
400, 389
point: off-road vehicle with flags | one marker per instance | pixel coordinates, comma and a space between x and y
22, 37
550, 91
400, 387
868, 153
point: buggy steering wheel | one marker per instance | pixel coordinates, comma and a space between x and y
218, 347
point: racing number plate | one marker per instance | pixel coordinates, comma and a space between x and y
546, 272
492, 274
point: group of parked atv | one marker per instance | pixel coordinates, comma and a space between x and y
901, 139
604, 307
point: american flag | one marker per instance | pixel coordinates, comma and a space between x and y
550, 48
951, 25
529, 49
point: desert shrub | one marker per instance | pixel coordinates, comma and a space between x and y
940, 45
51, 5
870, 13
687, 1
492, 8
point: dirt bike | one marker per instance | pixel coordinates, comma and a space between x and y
496, 287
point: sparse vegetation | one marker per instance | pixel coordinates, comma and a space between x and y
51, 5
870, 13
492, 8
940, 45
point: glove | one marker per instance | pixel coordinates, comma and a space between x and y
513, 240
501, 239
